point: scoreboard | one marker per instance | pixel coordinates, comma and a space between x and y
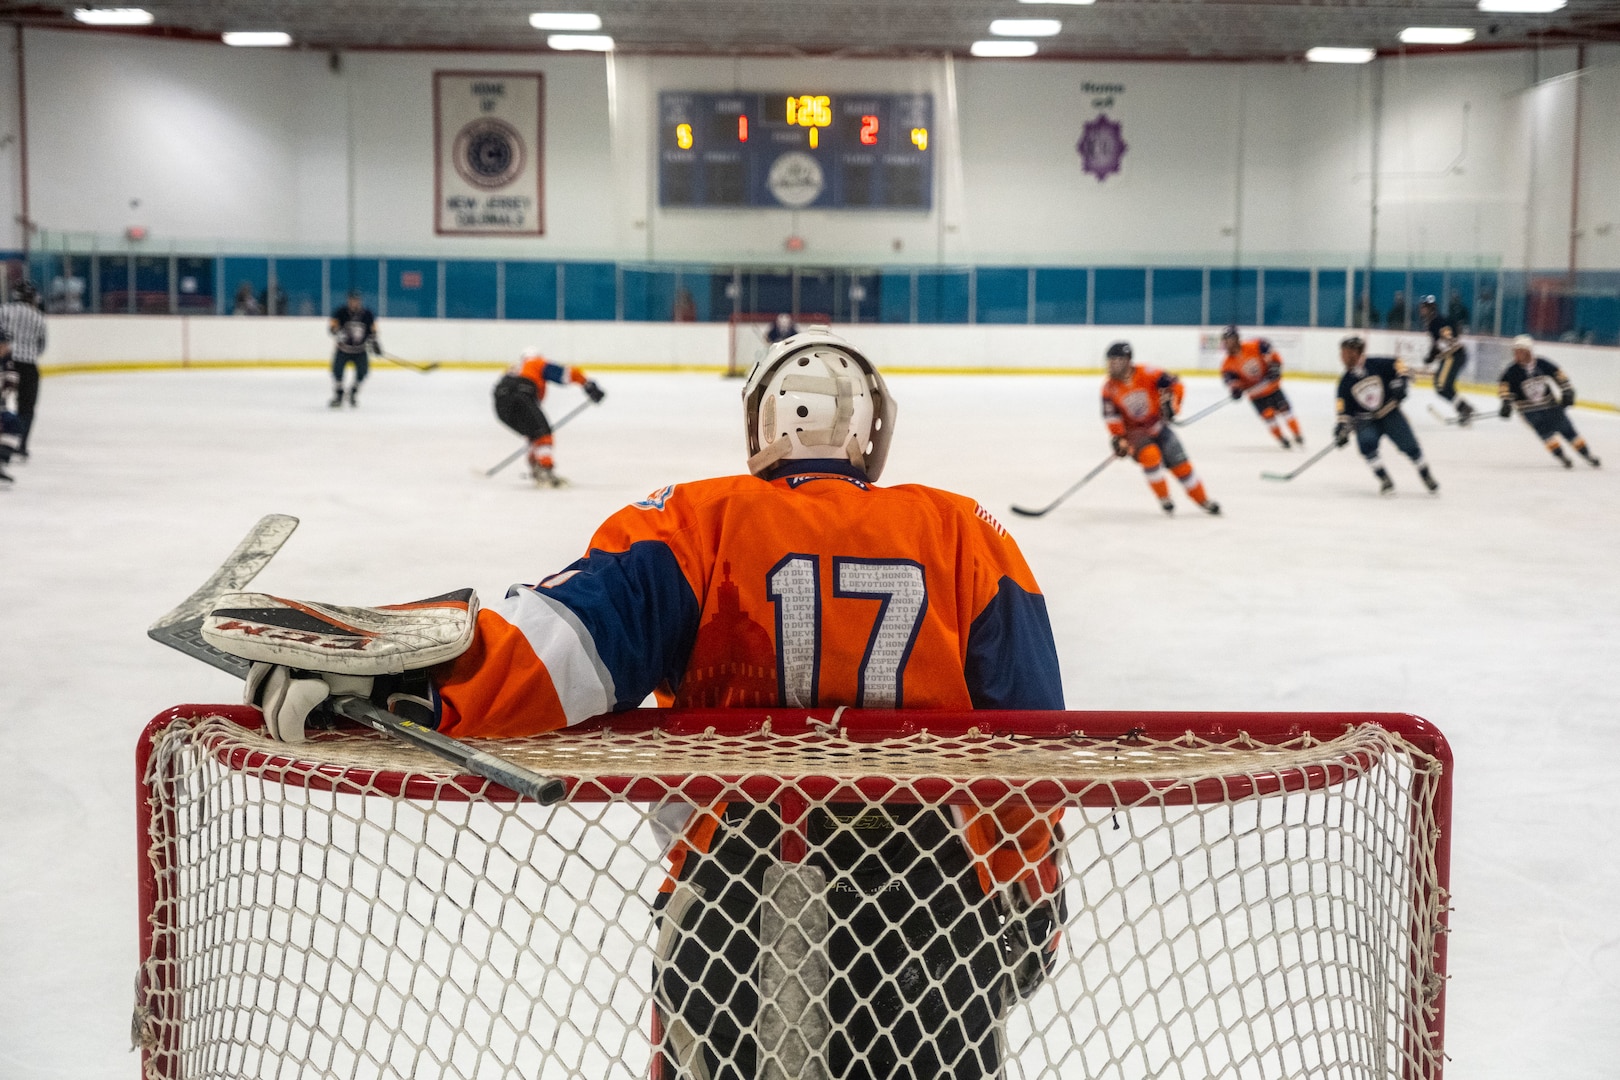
802, 151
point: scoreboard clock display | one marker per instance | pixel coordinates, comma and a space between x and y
802, 151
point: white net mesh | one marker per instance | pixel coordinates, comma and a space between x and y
1222, 904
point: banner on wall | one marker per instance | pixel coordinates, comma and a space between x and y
489, 153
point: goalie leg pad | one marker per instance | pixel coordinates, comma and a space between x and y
359, 641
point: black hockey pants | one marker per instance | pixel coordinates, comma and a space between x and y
914, 951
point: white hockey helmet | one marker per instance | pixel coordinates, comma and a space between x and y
814, 396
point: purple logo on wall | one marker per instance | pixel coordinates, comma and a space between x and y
1102, 145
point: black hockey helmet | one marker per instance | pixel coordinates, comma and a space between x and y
25, 292
1120, 349
1353, 342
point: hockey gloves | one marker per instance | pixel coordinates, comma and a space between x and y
1122, 446
304, 653
1506, 409
1341, 433
1568, 397
593, 391
1030, 937
1237, 391
376, 347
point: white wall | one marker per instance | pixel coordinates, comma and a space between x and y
266, 149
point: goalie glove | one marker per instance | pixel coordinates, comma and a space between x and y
1030, 936
304, 653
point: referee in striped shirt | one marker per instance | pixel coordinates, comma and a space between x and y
23, 322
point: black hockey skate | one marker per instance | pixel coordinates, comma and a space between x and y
1428, 479
1286, 445
1465, 413
1385, 485
1563, 459
1591, 459
1167, 506
337, 399
5, 477
1212, 507
354, 396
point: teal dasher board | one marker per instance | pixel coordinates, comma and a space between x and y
795, 150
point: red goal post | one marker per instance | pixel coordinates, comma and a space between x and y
1244, 895
745, 337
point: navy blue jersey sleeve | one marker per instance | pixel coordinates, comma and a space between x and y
1012, 660
637, 612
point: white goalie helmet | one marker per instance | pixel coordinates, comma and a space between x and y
814, 396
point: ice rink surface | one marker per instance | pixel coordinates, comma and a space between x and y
1492, 609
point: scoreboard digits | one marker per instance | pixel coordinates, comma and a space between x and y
795, 150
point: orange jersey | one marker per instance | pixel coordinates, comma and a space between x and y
1136, 406
1256, 369
539, 370
815, 588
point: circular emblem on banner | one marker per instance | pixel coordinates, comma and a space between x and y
1102, 147
796, 179
488, 153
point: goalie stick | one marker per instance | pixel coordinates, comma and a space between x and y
182, 629
1312, 460
1201, 413
520, 451
1055, 503
423, 368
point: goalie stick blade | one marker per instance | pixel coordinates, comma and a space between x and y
181, 628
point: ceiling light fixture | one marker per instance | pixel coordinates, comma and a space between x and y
1003, 48
1436, 35
1521, 7
117, 16
1025, 27
257, 39
579, 21
1327, 54
580, 42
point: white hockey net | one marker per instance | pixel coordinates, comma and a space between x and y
1234, 896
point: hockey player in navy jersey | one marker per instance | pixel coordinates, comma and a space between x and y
1447, 355
1542, 393
355, 328
1369, 407
820, 588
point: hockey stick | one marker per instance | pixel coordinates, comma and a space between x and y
1082, 482
423, 368
1201, 413
182, 629
520, 451
1312, 460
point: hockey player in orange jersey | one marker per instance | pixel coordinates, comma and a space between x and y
1137, 405
518, 395
1253, 367
802, 583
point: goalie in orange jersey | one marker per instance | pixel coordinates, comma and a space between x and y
801, 584
1137, 405
1253, 367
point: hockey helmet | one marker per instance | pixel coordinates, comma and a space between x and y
1427, 301
814, 396
1231, 332
24, 292
1120, 359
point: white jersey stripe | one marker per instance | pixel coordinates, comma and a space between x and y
26, 327
562, 643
